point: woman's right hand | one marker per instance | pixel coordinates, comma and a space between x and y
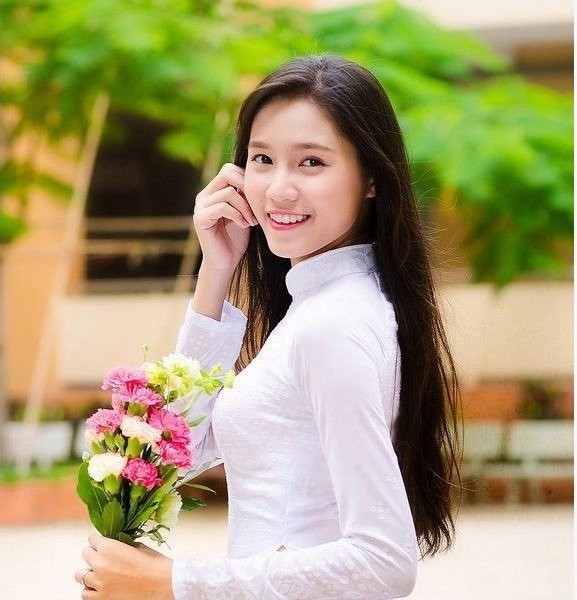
222, 219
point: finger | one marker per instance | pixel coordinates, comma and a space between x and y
89, 554
229, 174
95, 540
214, 213
225, 194
229, 196
89, 594
241, 204
79, 574
86, 578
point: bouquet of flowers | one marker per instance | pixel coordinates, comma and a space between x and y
139, 448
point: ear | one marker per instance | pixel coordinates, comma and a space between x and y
371, 189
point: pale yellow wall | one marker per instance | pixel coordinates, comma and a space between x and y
30, 263
290, 3
100, 332
30, 267
471, 14
523, 332
29, 273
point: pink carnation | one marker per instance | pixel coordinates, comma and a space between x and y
140, 472
175, 454
140, 395
174, 427
124, 378
104, 419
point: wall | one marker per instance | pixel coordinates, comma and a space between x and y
100, 332
469, 14
523, 332
30, 268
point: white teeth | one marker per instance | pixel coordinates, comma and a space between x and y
277, 218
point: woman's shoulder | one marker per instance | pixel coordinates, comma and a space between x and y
346, 308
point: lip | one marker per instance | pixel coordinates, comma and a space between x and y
285, 226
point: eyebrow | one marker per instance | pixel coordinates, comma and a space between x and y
300, 146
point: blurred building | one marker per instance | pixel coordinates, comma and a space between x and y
123, 292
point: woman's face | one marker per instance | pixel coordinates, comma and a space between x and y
303, 180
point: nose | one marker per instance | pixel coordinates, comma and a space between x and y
281, 187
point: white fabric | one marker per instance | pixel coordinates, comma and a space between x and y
317, 506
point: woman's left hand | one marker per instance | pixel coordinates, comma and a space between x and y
117, 571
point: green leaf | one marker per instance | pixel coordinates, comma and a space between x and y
143, 514
189, 504
124, 537
196, 422
109, 440
157, 537
141, 511
92, 495
198, 486
84, 487
112, 519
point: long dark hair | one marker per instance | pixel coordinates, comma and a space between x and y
426, 440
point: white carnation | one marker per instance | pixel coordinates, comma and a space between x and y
101, 466
180, 362
135, 427
92, 436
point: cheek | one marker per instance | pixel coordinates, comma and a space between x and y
253, 188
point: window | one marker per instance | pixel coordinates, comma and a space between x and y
138, 210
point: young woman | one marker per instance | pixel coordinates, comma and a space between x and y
338, 436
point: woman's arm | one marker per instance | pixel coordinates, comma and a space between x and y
116, 570
222, 220
213, 329
210, 342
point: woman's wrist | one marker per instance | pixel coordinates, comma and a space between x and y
211, 290
162, 579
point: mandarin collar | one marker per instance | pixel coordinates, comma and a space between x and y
328, 266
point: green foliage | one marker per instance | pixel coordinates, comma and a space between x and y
173, 61
499, 146
93, 496
507, 154
112, 519
189, 504
390, 40
11, 227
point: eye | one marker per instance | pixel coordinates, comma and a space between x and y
312, 162
261, 159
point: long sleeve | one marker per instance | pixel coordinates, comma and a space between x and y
210, 342
339, 374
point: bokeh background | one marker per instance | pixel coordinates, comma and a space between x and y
113, 115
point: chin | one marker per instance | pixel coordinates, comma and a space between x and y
292, 251
295, 256
283, 252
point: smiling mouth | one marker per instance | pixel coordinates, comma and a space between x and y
287, 219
